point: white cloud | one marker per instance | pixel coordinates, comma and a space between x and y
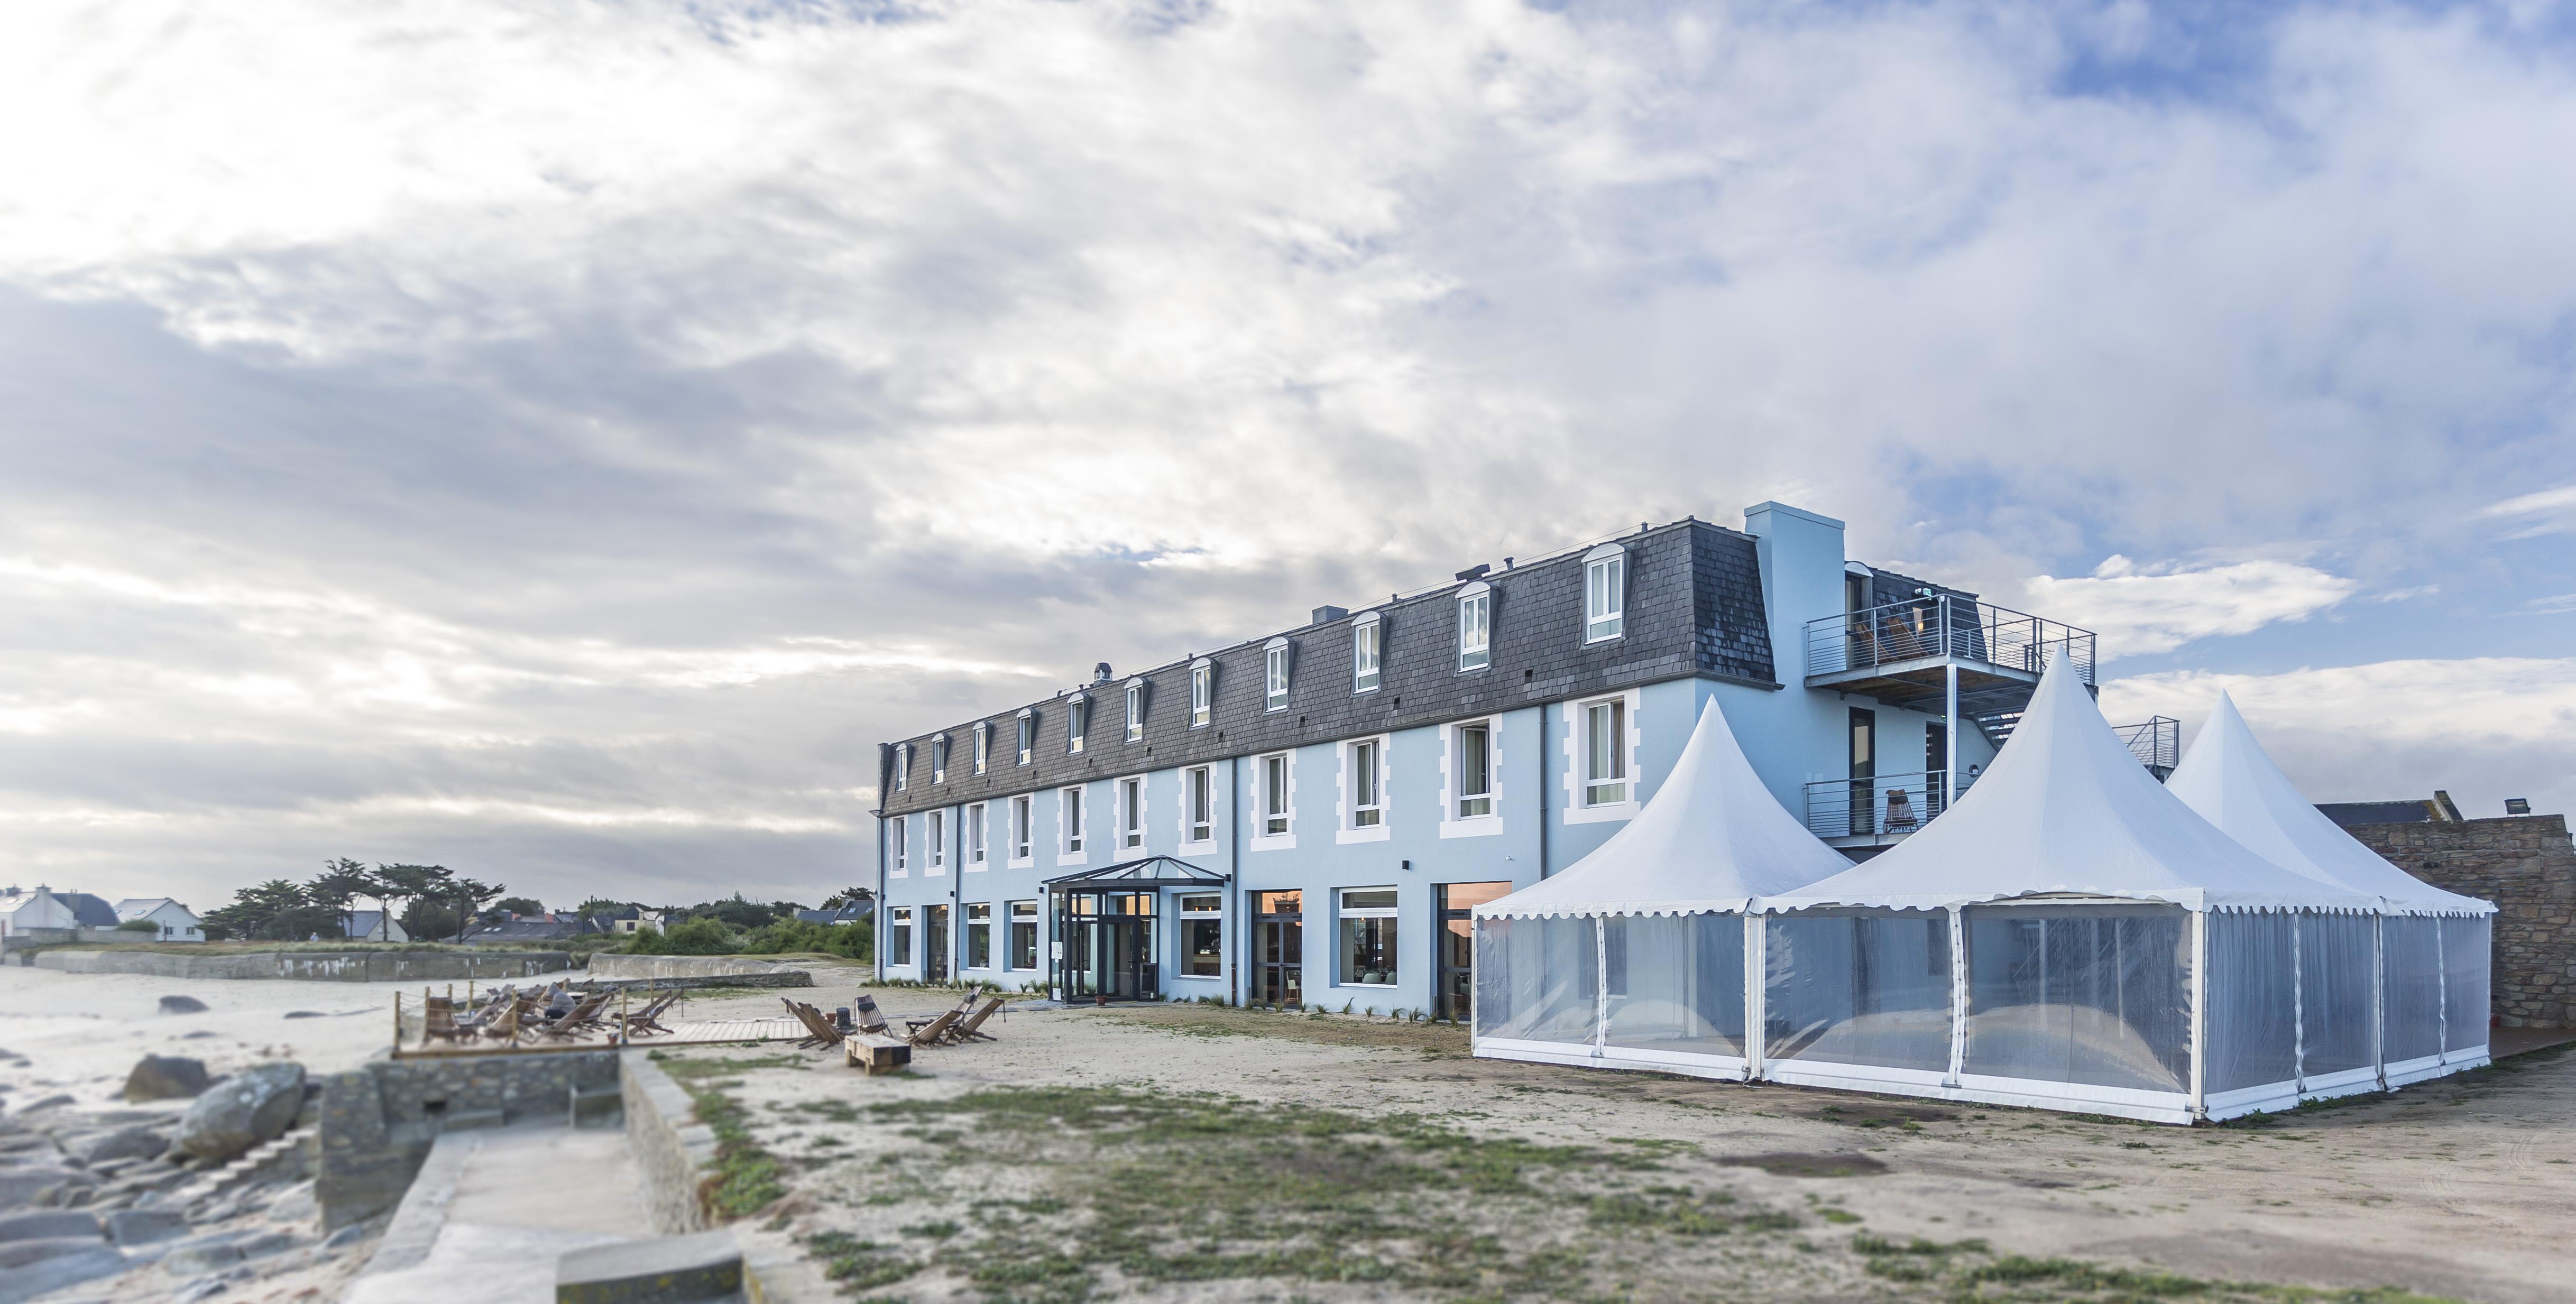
2156, 608
2556, 509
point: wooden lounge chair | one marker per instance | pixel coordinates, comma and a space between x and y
964, 1008
933, 1032
438, 1021
865, 1013
577, 1020
511, 1023
647, 1022
819, 1032
965, 1032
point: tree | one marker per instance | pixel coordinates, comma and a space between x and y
278, 910
849, 896
601, 906
519, 905
340, 881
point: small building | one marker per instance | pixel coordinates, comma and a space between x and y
626, 920
374, 926
856, 912
173, 921
45, 908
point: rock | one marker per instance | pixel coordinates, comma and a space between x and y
182, 1005
37, 1185
197, 1290
62, 1270
201, 1032
242, 1111
268, 1243
296, 1206
48, 1102
145, 1226
38, 1226
18, 1254
345, 1237
201, 1258
305, 1014
166, 1077
123, 1143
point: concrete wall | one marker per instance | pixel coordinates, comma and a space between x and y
317, 966
379, 1122
670, 1147
682, 966
2527, 866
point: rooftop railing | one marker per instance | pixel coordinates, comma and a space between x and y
1890, 805
1944, 627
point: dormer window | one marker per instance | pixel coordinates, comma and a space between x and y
1077, 714
939, 759
1605, 592
1135, 710
902, 766
983, 745
1028, 735
1202, 692
1274, 675
1365, 646
1475, 626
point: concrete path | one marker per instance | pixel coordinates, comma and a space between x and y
492, 1211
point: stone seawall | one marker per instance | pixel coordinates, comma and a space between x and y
379, 1122
683, 966
2527, 866
673, 1151
317, 966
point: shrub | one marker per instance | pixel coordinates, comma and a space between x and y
139, 926
689, 937
849, 941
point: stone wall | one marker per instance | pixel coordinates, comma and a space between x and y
378, 1122
317, 966
672, 1150
606, 965
2527, 866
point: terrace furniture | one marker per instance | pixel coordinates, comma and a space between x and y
965, 1031
438, 1021
648, 1021
870, 1019
1900, 811
935, 1031
964, 1008
875, 1052
819, 1031
511, 1023
575, 1021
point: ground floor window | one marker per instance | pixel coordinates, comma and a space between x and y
979, 936
899, 936
1203, 935
1455, 992
1024, 936
1368, 936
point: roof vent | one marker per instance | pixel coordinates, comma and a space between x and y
1100, 673
1474, 572
1323, 614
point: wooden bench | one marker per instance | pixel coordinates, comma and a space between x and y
876, 1052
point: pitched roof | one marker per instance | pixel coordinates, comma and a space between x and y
91, 911
2232, 781
1712, 837
2066, 808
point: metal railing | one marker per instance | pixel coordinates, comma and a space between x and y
1889, 804
2157, 743
1944, 626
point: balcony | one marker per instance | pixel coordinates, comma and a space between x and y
1882, 810
1910, 653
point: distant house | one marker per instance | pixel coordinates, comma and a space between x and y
375, 926
854, 913
175, 922
45, 908
625, 920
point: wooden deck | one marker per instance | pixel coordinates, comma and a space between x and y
705, 1032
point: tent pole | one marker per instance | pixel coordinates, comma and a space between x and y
1958, 993
2442, 971
1600, 985
1757, 1011
1949, 732
2199, 1012
2298, 1009
2379, 997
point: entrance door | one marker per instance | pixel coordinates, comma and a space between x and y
1109, 946
1278, 948
935, 941
1454, 950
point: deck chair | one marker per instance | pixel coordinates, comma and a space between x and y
511, 1023
933, 1032
819, 1032
438, 1021
964, 1008
575, 1021
964, 1030
647, 1022
864, 1013
1900, 811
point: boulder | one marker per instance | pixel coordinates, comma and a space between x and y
49, 1224
49, 1102
18, 1254
166, 1077
182, 1005
144, 1226
37, 1184
123, 1143
199, 1258
60, 1271
242, 1111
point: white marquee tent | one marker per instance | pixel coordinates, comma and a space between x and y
2387, 999
1634, 956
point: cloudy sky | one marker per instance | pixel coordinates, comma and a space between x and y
557, 439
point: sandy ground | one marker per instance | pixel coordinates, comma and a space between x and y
2458, 1188
81, 1033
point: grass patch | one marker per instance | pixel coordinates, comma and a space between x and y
746, 1178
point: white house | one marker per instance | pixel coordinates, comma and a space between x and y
45, 908
376, 926
177, 923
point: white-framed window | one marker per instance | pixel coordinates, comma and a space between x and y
939, 759
979, 935
1202, 935
983, 745
1472, 791
1277, 799
1022, 944
899, 937
1475, 626
1136, 710
1077, 721
1605, 752
935, 840
902, 766
1274, 675
1368, 928
1366, 643
1199, 791
974, 831
1202, 692
1363, 790
1605, 592
1023, 815
1028, 735
898, 846
1131, 812
1069, 819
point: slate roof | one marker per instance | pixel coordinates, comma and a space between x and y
91, 911
2351, 813
1694, 606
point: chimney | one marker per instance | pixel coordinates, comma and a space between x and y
1100, 673
1323, 614
1474, 572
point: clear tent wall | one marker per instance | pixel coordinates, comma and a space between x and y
2093, 1005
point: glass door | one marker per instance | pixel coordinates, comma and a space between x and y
1454, 949
1278, 948
935, 941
